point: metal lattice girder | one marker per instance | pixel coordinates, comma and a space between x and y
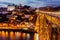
43, 30
54, 20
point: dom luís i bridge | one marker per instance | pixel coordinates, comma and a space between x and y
41, 26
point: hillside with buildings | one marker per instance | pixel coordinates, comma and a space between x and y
50, 8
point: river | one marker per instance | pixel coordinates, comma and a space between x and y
5, 35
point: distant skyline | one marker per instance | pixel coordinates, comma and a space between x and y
33, 3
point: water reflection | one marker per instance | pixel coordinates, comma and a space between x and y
5, 35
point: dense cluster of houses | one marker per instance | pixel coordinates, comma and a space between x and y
18, 13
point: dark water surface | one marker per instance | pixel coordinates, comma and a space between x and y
15, 36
